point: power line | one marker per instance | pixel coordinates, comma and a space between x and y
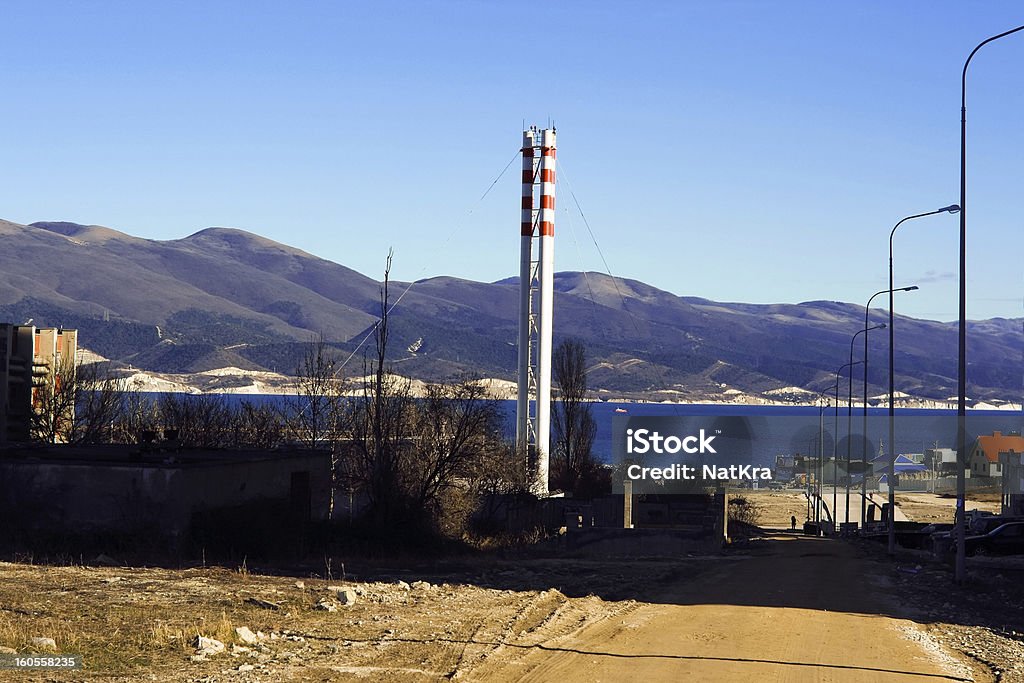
455, 230
615, 284
598, 246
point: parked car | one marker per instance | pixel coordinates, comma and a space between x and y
1007, 539
983, 525
943, 542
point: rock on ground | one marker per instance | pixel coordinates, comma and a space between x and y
246, 635
44, 643
208, 646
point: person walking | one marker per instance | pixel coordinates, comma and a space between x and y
792, 521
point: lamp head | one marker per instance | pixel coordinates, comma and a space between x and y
952, 208
911, 288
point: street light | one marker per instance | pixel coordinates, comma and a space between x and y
952, 208
849, 411
823, 396
864, 441
835, 442
961, 399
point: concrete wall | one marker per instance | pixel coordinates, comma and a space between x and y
518, 514
66, 497
232, 484
948, 484
608, 542
128, 498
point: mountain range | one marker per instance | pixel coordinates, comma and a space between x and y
228, 298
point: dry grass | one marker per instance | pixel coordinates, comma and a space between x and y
141, 624
176, 636
122, 619
932, 508
777, 507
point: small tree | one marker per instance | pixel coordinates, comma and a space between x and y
575, 469
380, 428
456, 425
421, 463
138, 413
313, 414
53, 403
502, 480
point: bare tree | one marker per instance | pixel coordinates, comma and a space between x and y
421, 462
313, 414
572, 421
379, 427
99, 402
138, 414
455, 426
53, 402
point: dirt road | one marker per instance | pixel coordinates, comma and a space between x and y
797, 609
787, 608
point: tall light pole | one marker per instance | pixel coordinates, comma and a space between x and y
822, 404
961, 398
823, 396
835, 441
864, 441
849, 412
952, 208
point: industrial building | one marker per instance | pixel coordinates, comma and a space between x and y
30, 363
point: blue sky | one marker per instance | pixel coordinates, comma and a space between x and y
742, 151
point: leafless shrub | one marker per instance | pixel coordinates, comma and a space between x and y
256, 425
745, 511
200, 420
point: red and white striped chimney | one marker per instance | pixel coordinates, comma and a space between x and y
535, 316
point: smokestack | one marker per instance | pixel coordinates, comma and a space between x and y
536, 282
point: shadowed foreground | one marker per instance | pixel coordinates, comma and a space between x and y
780, 609
802, 611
